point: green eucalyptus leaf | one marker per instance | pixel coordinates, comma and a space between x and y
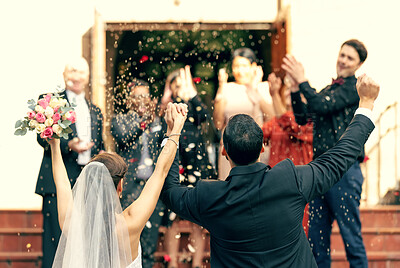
18, 123
68, 130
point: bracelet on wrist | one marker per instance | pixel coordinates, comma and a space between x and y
171, 135
173, 141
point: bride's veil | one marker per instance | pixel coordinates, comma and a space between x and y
95, 234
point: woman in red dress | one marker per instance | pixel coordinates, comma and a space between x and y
285, 137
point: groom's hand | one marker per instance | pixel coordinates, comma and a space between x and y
179, 114
368, 90
168, 117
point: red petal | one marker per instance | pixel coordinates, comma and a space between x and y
196, 80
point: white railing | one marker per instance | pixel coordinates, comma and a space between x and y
381, 169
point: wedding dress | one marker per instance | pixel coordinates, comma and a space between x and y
95, 234
137, 263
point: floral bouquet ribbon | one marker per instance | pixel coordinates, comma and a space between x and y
50, 116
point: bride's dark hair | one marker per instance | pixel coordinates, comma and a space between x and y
115, 165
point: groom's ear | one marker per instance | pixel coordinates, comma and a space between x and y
224, 153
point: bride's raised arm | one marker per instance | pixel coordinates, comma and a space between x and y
138, 213
63, 186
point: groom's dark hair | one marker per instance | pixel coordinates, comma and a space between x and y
115, 165
243, 139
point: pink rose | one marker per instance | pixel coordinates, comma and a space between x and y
31, 115
44, 103
72, 117
40, 117
56, 109
47, 133
48, 98
56, 117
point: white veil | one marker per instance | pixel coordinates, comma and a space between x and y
95, 234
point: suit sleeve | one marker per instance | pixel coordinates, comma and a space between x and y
299, 109
317, 177
100, 130
180, 199
200, 112
335, 100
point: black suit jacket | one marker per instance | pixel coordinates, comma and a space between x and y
255, 216
45, 183
331, 110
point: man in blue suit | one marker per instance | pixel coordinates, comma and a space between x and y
255, 216
84, 142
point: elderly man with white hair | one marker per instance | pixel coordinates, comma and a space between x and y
84, 142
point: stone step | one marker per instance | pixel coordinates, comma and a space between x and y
21, 219
20, 259
20, 240
375, 259
380, 216
375, 239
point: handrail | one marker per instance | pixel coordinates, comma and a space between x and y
377, 146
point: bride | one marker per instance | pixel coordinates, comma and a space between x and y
95, 231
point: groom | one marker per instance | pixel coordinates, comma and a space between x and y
255, 216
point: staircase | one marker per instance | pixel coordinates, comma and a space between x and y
21, 245
381, 235
20, 239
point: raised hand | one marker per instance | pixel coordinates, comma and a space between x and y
222, 77
179, 114
175, 116
368, 90
294, 69
252, 88
187, 89
54, 142
275, 84
257, 76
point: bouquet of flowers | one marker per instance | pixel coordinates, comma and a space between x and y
50, 116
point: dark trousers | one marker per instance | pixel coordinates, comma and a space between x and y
340, 203
51, 230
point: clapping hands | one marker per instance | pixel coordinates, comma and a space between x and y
275, 84
294, 69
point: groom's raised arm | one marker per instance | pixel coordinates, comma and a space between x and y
320, 175
180, 199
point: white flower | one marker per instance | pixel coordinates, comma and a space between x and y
57, 129
49, 122
33, 123
53, 103
63, 102
49, 112
39, 109
66, 115
40, 128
